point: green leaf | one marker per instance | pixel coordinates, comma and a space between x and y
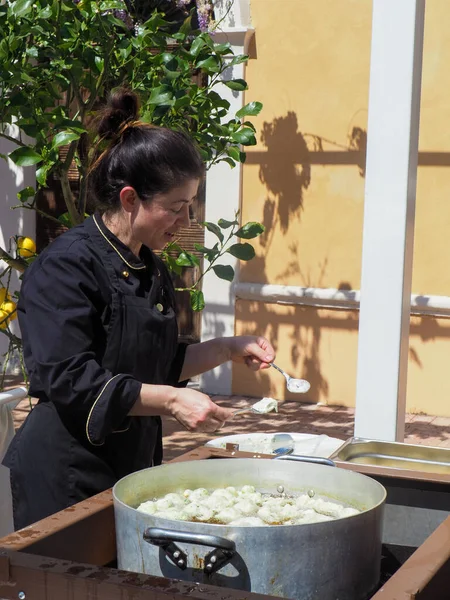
65, 220
210, 64
160, 95
210, 253
242, 251
184, 29
26, 193
187, 260
172, 264
245, 136
41, 174
224, 224
25, 156
238, 85
21, 7
224, 272
234, 152
100, 64
213, 228
197, 300
64, 137
237, 60
196, 47
222, 48
229, 161
250, 109
250, 230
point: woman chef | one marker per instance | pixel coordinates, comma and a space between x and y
97, 315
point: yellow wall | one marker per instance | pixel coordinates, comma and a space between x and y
310, 68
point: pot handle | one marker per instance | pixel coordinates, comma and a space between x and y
223, 552
317, 460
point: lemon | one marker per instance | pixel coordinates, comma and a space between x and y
10, 309
3, 319
26, 247
4, 296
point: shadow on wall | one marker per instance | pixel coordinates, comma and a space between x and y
285, 170
285, 167
305, 327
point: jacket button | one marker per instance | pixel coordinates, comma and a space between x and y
125, 274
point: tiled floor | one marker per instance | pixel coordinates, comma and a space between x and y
335, 421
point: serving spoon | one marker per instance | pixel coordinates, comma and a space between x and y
297, 386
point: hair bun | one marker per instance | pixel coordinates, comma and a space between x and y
122, 106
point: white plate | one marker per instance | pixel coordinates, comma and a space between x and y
305, 443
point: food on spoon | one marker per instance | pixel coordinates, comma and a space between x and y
298, 386
245, 507
266, 405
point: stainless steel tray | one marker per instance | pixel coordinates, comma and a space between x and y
396, 455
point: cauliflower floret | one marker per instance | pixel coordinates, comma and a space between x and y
198, 494
304, 501
217, 503
309, 516
246, 507
175, 499
349, 511
227, 515
148, 507
327, 508
269, 515
174, 514
288, 512
247, 489
198, 512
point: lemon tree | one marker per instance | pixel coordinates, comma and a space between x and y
59, 60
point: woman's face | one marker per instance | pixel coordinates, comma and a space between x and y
156, 222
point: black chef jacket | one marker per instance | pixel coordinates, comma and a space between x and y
96, 323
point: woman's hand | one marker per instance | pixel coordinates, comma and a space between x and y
255, 351
197, 412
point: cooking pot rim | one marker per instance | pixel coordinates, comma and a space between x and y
350, 474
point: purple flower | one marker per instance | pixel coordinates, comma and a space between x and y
124, 17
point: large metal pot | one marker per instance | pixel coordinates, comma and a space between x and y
333, 560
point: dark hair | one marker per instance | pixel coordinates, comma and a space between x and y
148, 158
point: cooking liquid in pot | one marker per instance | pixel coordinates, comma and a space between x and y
245, 507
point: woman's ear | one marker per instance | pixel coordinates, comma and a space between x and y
128, 198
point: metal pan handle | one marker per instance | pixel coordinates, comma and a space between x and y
223, 552
317, 460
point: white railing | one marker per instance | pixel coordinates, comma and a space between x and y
434, 306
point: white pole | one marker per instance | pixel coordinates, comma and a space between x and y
390, 192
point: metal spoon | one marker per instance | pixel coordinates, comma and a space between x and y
297, 386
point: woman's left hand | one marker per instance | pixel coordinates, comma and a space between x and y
255, 351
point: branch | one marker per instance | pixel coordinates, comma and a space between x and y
11, 139
16, 263
39, 211
69, 199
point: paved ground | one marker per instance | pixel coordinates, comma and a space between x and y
335, 421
